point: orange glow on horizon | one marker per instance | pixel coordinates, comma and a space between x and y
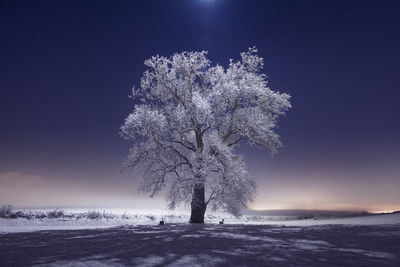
332, 207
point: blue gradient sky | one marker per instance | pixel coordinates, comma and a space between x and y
67, 68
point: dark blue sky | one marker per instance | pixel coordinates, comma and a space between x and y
67, 68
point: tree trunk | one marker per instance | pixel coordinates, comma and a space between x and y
198, 204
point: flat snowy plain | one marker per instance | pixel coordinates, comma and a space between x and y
137, 240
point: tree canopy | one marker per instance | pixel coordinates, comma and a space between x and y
188, 120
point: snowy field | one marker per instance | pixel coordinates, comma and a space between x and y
124, 239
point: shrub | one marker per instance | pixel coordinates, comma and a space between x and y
6, 211
40, 216
108, 215
125, 216
55, 214
94, 215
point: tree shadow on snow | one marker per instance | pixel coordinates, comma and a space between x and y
211, 245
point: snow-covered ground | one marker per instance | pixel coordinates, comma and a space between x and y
138, 240
73, 220
76, 219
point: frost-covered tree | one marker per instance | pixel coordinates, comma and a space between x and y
188, 120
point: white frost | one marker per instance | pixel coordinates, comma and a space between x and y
190, 119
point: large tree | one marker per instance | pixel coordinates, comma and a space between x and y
188, 119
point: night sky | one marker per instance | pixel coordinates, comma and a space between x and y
67, 68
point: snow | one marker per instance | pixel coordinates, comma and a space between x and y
136, 239
124, 218
367, 243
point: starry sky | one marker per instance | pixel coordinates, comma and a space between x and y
67, 68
